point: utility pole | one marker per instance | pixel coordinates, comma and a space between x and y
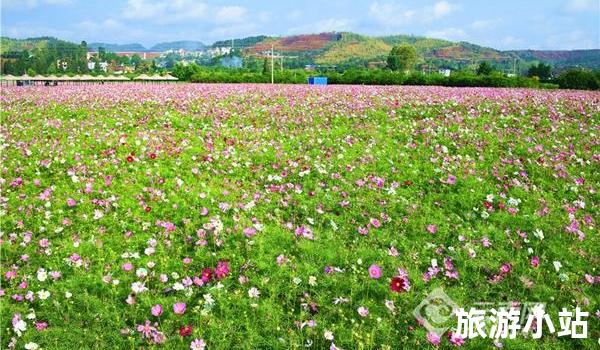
272, 65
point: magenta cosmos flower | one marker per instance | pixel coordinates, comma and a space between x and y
179, 308
222, 269
400, 284
375, 271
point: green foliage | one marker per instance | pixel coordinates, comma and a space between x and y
579, 79
42, 55
540, 70
199, 74
402, 58
484, 68
456, 79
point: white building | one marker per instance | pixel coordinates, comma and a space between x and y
444, 71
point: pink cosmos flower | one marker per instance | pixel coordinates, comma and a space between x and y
157, 310
375, 223
146, 329
432, 228
451, 180
249, 232
433, 338
179, 308
71, 202
198, 344
455, 339
281, 259
363, 230
363, 311
589, 278
375, 271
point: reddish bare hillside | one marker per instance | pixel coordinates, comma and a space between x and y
462, 52
308, 42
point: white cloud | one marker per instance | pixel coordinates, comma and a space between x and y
326, 25
571, 40
393, 14
165, 11
107, 24
230, 14
441, 9
582, 5
27, 30
452, 34
390, 14
233, 31
102, 31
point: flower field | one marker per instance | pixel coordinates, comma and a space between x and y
292, 217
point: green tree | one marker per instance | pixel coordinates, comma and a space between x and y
402, 58
485, 68
541, 70
135, 60
579, 79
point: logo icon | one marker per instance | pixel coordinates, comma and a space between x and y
436, 312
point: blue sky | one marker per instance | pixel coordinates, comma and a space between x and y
506, 24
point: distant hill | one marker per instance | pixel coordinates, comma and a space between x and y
573, 58
245, 42
14, 45
350, 49
134, 47
178, 45
160, 47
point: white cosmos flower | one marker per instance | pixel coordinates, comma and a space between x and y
42, 275
31, 346
253, 292
19, 327
209, 299
539, 234
138, 287
141, 272
557, 265
43, 294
